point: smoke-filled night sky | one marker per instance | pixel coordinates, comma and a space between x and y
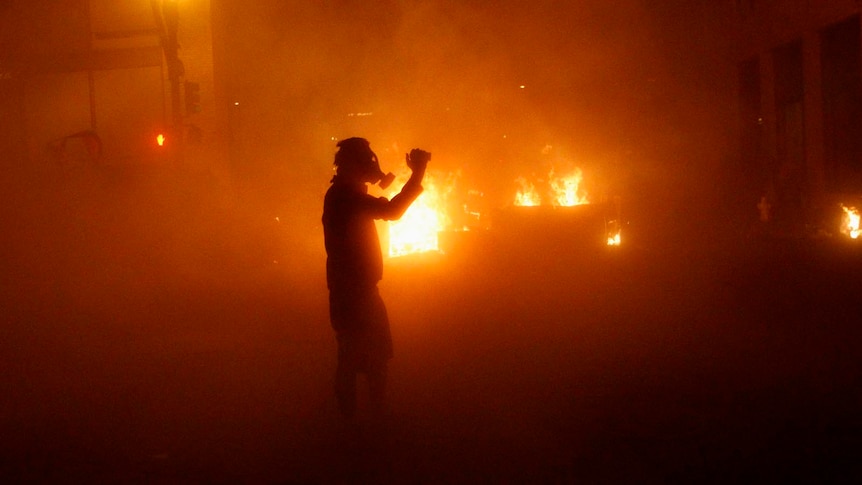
165, 326
497, 92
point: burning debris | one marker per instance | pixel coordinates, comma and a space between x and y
562, 190
850, 222
565, 191
527, 196
440, 210
614, 233
418, 229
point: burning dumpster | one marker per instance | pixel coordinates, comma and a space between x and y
569, 229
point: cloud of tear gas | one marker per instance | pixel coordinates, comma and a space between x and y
487, 89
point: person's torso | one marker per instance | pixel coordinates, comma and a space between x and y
350, 236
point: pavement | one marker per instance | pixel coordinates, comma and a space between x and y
731, 361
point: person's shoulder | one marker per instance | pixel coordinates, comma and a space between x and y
346, 193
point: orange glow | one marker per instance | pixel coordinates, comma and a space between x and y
850, 222
160, 139
527, 195
563, 190
566, 188
418, 230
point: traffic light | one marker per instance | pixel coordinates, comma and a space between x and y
193, 97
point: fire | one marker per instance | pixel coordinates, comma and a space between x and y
527, 195
850, 222
563, 190
614, 238
418, 230
566, 188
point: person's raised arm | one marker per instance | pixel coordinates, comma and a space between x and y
417, 161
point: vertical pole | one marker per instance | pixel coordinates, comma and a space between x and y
166, 13
813, 99
91, 80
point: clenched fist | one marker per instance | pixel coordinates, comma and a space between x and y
418, 159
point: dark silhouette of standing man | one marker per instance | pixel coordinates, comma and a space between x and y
354, 265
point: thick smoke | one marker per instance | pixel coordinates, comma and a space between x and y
165, 335
495, 92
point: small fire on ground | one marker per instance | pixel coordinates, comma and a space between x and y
850, 222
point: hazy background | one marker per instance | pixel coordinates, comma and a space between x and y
625, 90
632, 92
166, 329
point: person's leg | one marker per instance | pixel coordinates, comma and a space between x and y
345, 379
377, 386
380, 351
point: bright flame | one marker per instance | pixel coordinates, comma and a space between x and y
563, 191
565, 188
850, 222
527, 195
160, 139
418, 229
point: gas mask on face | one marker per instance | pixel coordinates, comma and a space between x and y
379, 178
355, 157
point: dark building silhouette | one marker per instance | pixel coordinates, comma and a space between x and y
800, 104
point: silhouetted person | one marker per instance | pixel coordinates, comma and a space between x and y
354, 265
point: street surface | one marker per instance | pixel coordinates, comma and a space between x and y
727, 361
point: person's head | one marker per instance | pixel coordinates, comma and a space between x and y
356, 161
